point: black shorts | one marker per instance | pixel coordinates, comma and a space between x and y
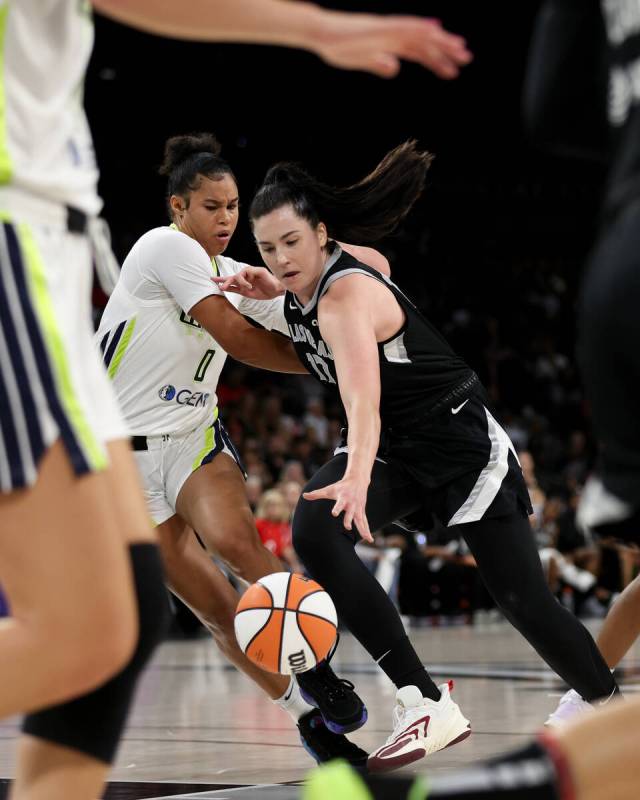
459, 465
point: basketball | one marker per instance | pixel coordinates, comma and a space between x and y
286, 623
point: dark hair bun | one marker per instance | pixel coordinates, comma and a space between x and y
287, 172
179, 148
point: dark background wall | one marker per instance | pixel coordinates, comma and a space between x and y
493, 250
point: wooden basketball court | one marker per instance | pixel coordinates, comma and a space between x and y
200, 730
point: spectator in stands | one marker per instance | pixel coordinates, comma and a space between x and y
272, 522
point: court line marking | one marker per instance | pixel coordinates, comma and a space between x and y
213, 793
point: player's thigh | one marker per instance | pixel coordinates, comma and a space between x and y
192, 575
61, 557
62, 562
128, 506
213, 500
392, 493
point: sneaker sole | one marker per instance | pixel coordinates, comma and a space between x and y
375, 764
337, 727
358, 763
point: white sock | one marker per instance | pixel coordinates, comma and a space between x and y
293, 702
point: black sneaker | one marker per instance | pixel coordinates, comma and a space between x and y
322, 745
341, 708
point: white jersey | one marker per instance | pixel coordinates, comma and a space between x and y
45, 143
164, 366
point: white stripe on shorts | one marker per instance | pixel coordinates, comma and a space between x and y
345, 449
490, 479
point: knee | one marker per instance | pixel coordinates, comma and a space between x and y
112, 634
310, 522
241, 549
93, 722
86, 650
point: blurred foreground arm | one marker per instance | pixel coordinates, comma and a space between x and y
368, 42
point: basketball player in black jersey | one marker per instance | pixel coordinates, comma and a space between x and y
419, 439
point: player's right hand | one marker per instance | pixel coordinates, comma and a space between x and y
256, 283
350, 495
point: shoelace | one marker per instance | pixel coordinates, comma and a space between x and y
337, 687
398, 715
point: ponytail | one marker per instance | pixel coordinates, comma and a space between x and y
362, 213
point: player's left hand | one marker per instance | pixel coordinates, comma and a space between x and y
350, 495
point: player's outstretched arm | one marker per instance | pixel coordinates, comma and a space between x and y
242, 341
368, 42
345, 315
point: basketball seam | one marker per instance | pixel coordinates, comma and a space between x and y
316, 616
258, 632
268, 591
309, 594
302, 633
284, 619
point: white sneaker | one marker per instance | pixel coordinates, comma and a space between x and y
570, 707
420, 727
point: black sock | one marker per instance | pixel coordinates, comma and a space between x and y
404, 668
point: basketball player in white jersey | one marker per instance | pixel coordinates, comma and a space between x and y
164, 336
78, 559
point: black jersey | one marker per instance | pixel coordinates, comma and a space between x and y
582, 90
622, 21
418, 368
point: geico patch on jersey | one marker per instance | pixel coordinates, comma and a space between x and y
183, 397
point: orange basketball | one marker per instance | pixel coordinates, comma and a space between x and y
286, 623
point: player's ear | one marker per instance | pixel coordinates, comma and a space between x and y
177, 205
321, 232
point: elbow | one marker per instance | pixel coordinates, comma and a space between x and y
237, 347
233, 346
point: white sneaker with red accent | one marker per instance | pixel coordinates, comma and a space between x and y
570, 707
421, 727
